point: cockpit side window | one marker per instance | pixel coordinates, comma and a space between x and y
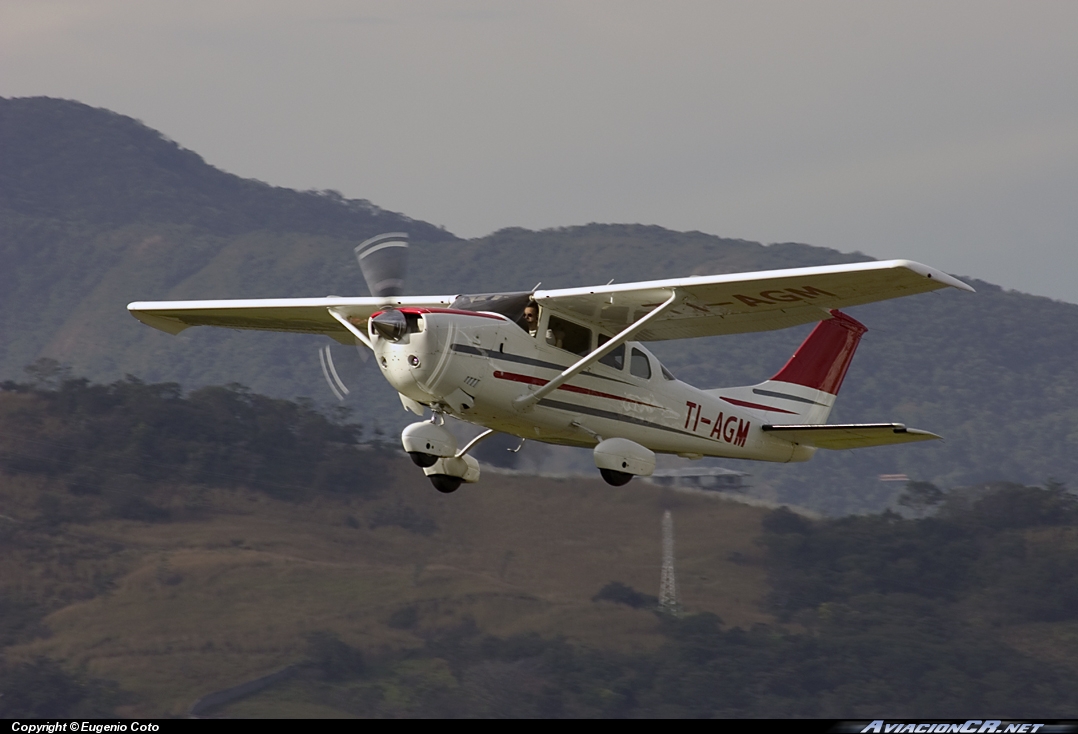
640, 365
667, 374
616, 358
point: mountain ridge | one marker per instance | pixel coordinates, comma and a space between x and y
991, 371
63, 156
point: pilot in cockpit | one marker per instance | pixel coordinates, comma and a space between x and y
531, 317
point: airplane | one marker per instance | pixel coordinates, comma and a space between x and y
576, 372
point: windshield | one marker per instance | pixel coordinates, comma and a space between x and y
510, 305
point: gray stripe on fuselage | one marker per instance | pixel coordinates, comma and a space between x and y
600, 413
467, 349
786, 396
518, 359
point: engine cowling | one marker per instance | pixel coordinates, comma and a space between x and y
624, 457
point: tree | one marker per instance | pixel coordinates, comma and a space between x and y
920, 497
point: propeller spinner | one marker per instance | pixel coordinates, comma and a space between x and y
383, 260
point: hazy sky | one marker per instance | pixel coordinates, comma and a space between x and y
945, 132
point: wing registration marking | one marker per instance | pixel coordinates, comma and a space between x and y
782, 295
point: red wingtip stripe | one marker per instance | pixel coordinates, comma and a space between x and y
824, 357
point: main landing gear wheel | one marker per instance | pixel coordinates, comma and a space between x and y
615, 478
423, 460
445, 483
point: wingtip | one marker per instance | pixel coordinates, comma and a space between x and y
167, 325
954, 282
924, 435
937, 275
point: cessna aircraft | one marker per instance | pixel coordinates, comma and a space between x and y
558, 366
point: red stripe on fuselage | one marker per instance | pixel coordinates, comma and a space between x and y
528, 380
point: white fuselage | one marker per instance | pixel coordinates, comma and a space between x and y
473, 365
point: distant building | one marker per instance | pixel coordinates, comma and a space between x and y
715, 478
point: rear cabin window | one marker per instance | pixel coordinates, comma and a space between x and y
639, 365
616, 358
568, 336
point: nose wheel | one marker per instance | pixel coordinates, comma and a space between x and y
445, 483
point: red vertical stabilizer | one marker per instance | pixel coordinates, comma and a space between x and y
822, 359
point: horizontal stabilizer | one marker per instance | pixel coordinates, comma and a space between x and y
849, 435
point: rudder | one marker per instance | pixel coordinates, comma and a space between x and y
821, 362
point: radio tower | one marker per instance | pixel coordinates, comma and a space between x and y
668, 601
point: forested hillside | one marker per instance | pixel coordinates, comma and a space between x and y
156, 547
97, 210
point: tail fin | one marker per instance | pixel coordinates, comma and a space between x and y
804, 390
820, 363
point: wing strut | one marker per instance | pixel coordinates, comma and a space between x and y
524, 402
352, 328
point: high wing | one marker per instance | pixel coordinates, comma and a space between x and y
299, 315
709, 305
705, 305
850, 435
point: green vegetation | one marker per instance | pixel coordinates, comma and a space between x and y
1009, 552
41, 689
179, 544
158, 546
901, 618
74, 452
115, 441
620, 593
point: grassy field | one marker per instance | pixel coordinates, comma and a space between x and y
231, 588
